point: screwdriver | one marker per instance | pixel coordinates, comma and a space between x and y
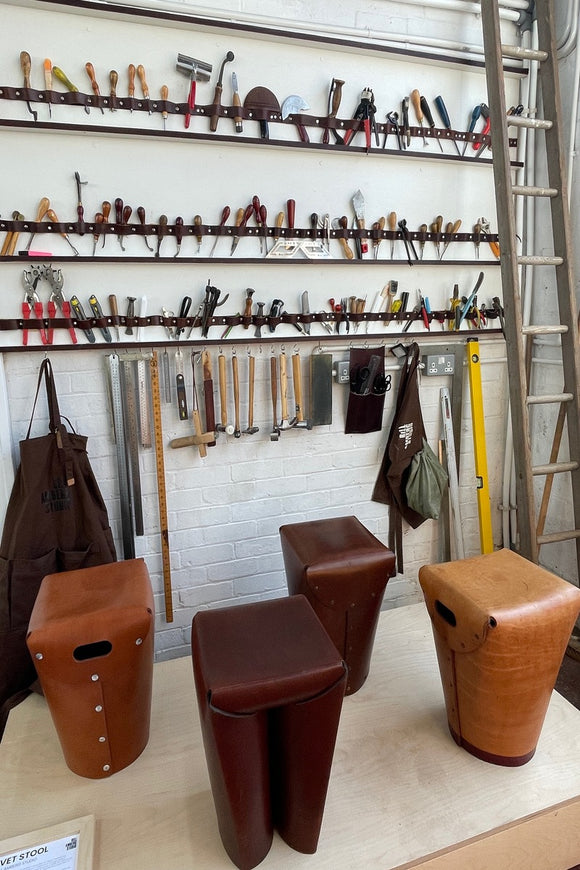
416, 101
475, 115
164, 96
43, 207
427, 113
142, 221
51, 215
67, 83
113, 81
444, 115
48, 80
144, 86
91, 74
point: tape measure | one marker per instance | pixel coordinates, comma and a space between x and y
161, 491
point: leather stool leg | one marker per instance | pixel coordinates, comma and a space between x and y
236, 749
303, 739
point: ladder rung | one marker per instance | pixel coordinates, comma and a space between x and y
522, 121
523, 53
523, 190
549, 399
526, 260
549, 329
554, 468
556, 537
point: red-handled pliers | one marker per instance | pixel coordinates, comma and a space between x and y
31, 302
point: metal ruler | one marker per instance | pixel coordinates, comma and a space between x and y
144, 409
129, 394
161, 491
479, 449
452, 472
124, 489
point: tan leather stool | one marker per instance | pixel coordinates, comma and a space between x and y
343, 570
501, 625
269, 686
91, 638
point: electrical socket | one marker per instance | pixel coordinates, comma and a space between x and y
439, 364
343, 372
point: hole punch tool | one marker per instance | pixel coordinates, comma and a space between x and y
57, 298
196, 71
31, 303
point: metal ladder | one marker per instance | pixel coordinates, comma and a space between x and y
517, 333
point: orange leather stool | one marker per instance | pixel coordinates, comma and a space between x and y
343, 570
91, 638
501, 625
269, 686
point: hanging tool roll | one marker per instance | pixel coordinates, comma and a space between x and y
56, 520
405, 440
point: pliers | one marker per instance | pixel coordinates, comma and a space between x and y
31, 302
56, 280
365, 112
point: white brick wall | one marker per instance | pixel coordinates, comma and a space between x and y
225, 510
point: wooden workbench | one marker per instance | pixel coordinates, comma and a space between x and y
401, 795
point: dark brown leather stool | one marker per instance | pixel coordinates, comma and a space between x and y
91, 638
269, 687
501, 625
343, 570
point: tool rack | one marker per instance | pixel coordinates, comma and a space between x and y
147, 113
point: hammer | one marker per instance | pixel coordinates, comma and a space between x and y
298, 422
251, 430
196, 71
223, 427
284, 421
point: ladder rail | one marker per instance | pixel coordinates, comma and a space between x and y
530, 537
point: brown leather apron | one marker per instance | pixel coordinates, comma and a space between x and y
56, 520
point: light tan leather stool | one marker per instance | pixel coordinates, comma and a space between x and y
501, 625
269, 687
91, 639
343, 570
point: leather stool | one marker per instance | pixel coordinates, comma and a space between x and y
501, 625
91, 638
269, 687
343, 571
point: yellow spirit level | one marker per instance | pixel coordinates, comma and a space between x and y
479, 450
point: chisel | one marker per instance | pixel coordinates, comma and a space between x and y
444, 115
68, 84
144, 86
238, 104
164, 96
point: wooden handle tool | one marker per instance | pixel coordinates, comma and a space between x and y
94, 84
42, 211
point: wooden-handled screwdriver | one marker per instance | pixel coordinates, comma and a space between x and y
164, 96
43, 207
94, 84
25, 65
